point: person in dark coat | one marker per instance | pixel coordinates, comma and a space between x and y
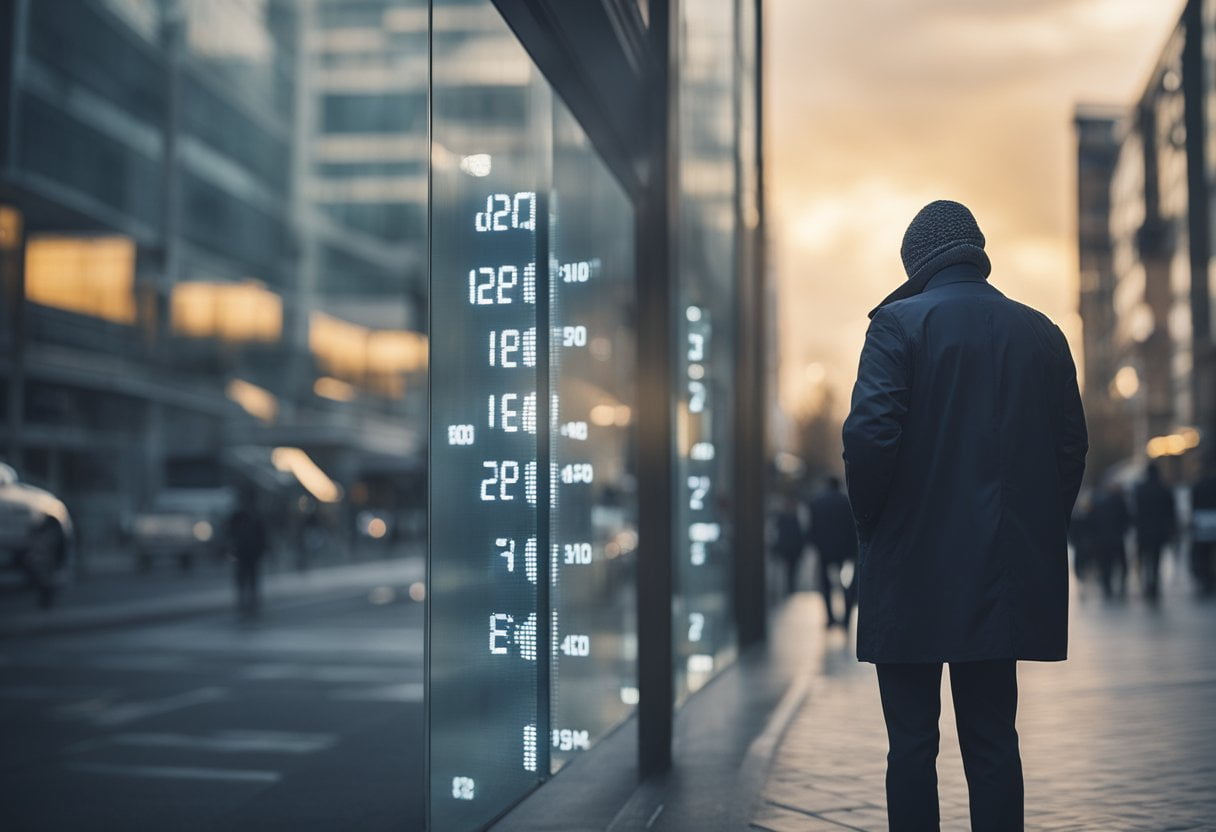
1156, 522
1203, 527
964, 451
247, 544
1080, 534
835, 540
1109, 522
790, 541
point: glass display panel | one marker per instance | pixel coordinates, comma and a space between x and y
532, 640
491, 123
594, 522
703, 625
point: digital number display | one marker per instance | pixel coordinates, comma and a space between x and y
531, 642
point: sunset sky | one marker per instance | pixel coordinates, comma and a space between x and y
875, 108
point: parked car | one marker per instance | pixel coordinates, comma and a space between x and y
187, 520
36, 534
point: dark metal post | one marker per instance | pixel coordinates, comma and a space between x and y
14, 17
1194, 91
655, 422
749, 459
12, 278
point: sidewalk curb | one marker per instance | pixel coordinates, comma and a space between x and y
276, 588
758, 761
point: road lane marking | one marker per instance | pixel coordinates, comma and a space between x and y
237, 742
43, 692
350, 674
132, 711
179, 772
407, 692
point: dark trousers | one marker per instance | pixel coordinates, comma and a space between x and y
985, 706
1149, 556
792, 559
248, 593
1203, 566
1112, 570
827, 583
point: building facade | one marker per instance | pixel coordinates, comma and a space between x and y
219, 254
1146, 290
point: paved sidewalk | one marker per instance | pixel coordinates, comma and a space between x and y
1120, 737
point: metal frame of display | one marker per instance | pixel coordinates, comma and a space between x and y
623, 91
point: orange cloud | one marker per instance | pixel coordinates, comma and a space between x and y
876, 107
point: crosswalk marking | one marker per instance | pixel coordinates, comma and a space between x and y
405, 692
122, 714
349, 673
179, 772
238, 742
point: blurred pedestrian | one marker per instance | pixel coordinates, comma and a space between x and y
834, 536
247, 546
1081, 535
1203, 527
790, 541
1156, 523
964, 451
1109, 522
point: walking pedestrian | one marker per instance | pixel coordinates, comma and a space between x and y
247, 546
964, 451
1203, 527
1109, 522
834, 536
790, 541
1156, 522
1080, 534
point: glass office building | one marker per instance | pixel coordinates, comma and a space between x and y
1158, 197
488, 273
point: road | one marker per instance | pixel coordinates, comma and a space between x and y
309, 718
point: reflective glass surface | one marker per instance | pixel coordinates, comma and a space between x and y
703, 623
533, 507
491, 123
594, 523
225, 236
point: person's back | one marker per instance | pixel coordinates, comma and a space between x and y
1203, 527
834, 536
1155, 524
964, 451
247, 542
1155, 518
833, 532
956, 474
1111, 519
247, 534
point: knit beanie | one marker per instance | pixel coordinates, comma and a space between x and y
943, 233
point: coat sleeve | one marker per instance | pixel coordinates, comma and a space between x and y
1072, 442
875, 423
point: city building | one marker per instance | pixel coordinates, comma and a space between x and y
1146, 294
1098, 133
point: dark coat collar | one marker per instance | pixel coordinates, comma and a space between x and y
956, 273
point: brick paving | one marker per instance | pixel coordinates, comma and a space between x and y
1120, 737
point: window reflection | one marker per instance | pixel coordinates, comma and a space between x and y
702, 607
224, 205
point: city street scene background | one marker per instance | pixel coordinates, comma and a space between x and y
220, 228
